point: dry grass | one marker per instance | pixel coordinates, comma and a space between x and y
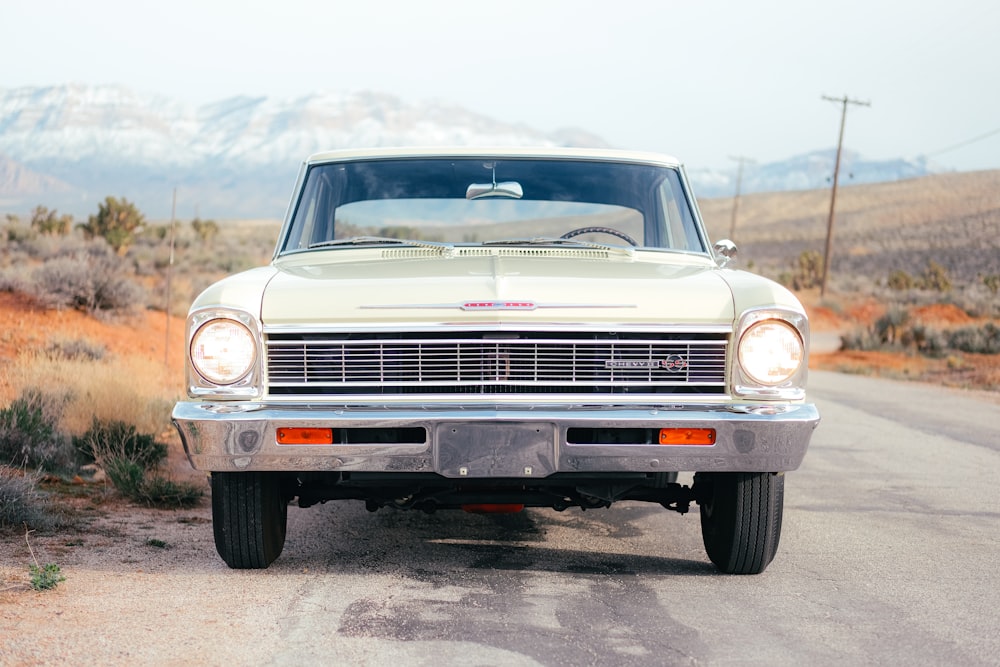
133, 381
131, 389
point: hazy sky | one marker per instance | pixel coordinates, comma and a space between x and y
703, 80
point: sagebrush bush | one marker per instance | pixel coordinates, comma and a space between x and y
94, 281
889, 332
129, 458
11, 280
981, 340
76, 348
22, 503
30, 435
109, 440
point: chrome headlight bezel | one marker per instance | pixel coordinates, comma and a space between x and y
248, 382
790, 328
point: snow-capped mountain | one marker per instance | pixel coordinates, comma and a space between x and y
67, 147
809, 171
236, 157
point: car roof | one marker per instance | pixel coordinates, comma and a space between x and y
494, 152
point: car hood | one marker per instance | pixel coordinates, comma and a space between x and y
362, 288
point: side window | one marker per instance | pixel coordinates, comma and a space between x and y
313, 221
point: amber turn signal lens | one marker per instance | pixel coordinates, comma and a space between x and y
687, 436
305, 436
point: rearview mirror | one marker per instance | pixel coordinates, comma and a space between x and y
506, 189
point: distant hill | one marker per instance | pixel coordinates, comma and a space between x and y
808, 171
67, 147
952, 219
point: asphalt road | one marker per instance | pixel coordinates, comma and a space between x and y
889, 555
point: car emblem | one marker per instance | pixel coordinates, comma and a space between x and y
675, 363
621, 363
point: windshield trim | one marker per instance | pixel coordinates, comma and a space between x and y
696, 242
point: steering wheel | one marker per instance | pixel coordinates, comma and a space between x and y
600, 230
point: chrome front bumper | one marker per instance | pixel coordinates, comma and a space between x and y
515, 442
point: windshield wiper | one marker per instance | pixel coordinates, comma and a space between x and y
381, 240
555, 240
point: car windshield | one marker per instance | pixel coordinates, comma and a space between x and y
470, 201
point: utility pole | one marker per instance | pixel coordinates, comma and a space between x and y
844, 101
736, 198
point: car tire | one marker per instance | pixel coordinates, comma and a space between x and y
249, 518
741, 518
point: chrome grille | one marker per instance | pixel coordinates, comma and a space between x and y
309, 364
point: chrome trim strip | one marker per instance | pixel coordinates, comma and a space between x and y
489, 306
530, 327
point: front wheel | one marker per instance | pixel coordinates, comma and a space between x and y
249, 518
740, 518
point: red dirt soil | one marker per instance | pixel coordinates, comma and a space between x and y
25, 327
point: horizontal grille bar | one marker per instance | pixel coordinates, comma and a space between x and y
315, 364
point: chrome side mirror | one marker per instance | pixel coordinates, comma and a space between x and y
725, 251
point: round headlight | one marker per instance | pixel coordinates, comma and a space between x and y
770, 352
223, 351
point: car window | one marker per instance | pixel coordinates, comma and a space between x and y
470, 201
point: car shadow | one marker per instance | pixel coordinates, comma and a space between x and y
598, 542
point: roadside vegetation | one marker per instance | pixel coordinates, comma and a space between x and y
71, 411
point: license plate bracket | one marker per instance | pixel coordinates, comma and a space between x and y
500, 449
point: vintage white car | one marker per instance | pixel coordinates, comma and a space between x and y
495, 329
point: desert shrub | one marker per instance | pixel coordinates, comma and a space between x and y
94, 281
935, 278
127, 476
128, 458
860, 339
116, 221
43, 248
45, 577
22, 503
889, 332
981, 340
15, 231
205, 229
887, 327
806, 272
29, 434
929, 342
12, 280
107, 440
992, 282
900, 280
77, 348
50, 223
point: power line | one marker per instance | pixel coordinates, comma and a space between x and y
962, 144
